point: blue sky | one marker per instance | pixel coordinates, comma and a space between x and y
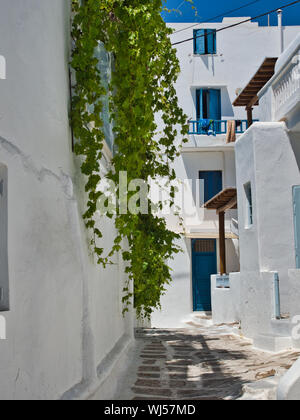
208, 9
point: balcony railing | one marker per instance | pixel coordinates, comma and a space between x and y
216, 127
286, 88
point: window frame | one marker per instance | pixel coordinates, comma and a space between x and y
220, 172
206, 34
249, 221
199, 103
4, 278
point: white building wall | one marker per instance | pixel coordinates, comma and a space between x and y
177, 303
240, 52
65, 314
268, 245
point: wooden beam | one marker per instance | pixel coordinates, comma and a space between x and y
232, 203
222, 243
253, 101
249, 116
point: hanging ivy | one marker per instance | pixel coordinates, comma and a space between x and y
144, 73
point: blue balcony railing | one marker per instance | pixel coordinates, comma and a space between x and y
215, 127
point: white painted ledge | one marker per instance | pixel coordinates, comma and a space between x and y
289, 385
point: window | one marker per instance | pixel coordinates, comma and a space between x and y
105, 68
249, 205
213, 183
4, 285
208, 104
105, 65
205, 41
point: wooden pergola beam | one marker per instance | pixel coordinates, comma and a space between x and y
253, 101
248, 96
232, 203
225, 200
249, 115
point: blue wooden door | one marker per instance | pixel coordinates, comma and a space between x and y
204, 264
213, 183
208, 104
296, 200
199, 104
214, 111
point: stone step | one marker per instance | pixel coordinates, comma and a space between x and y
198, 320
265, 389
273, 343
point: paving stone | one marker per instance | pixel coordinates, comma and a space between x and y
177, 376
148, 383
155, 346
149, 362
182, 362
177, 368
148, 375
163, 392
149, 368
153, 356
201, 364
181, 384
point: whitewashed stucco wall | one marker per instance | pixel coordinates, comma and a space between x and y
240, 52
177, 302
268, 245
65, 330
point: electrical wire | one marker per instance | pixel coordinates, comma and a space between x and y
239, 23
216, 17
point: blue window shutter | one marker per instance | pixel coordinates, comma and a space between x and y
199, 104
199, 41
211, 41
215, 104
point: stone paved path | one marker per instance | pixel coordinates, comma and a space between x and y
207, 363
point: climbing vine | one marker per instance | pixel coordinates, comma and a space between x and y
144, 73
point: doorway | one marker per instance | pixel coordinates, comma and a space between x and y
204, 264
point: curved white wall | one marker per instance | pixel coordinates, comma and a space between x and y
65, 312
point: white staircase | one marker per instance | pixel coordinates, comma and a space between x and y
200, 320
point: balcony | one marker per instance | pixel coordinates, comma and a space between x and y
280, 98
215, 127
286, 86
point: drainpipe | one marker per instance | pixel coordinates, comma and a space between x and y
277, 296
280, 29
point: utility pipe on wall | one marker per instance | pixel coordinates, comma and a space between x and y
280, 29
222, 243
277, 296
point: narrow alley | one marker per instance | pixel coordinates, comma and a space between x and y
209, 363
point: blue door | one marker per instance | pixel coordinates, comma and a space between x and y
208, 104
296, 202
204, 264
214, 106
213, 183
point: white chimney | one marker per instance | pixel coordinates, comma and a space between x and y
280, 30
